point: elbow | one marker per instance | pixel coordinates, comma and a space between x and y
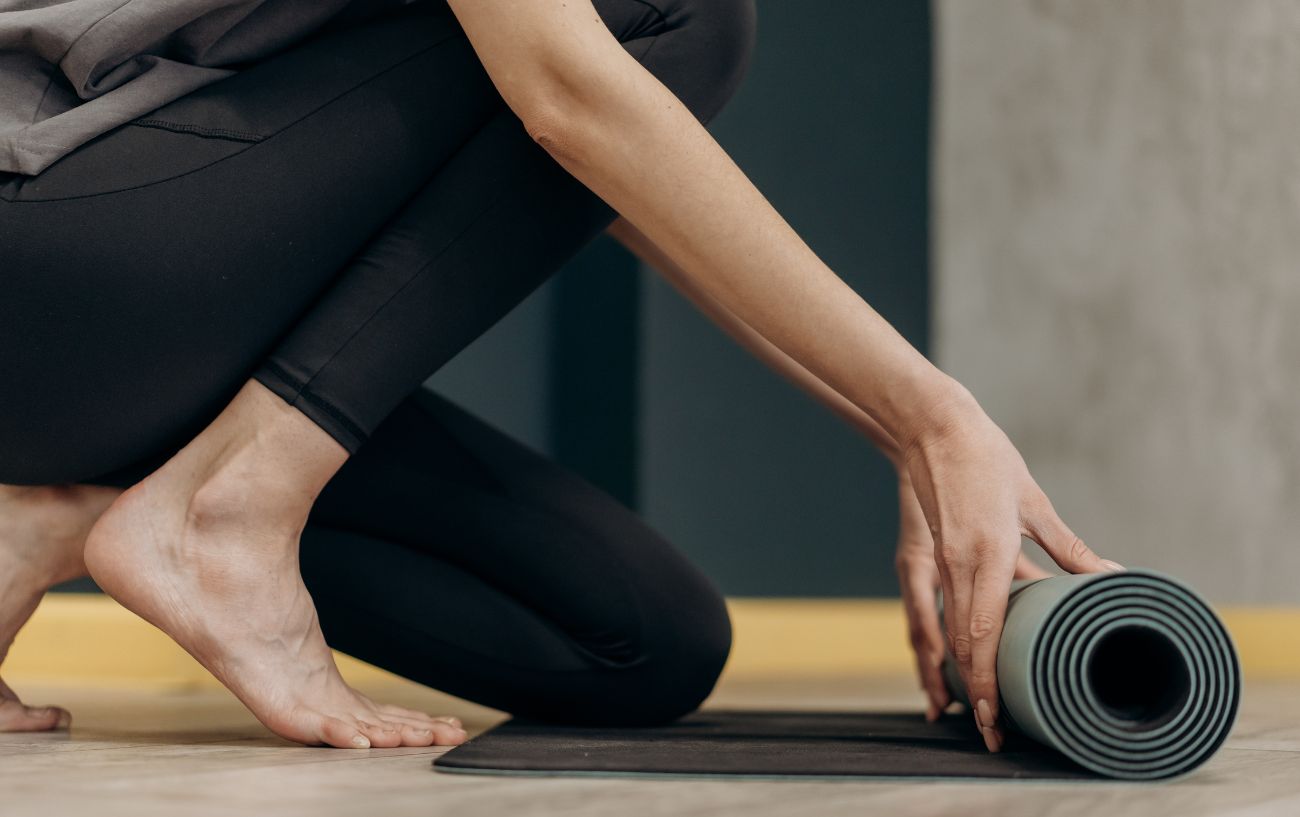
557, 128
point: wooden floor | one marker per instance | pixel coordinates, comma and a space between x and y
179, 753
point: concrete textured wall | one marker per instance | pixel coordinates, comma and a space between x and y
1117, 247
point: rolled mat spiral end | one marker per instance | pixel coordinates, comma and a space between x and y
1131, 674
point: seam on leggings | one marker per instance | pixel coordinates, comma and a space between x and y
474, 220
294, 123
299, 393
197, 130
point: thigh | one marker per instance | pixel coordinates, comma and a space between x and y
146, 273
450, 553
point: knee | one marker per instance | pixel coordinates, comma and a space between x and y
728, 31
679, 667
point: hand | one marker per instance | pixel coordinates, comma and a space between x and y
978, 500
918, 577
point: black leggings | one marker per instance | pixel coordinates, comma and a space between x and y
338, 221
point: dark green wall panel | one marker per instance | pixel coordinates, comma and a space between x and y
767, 490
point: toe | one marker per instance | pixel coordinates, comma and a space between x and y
443, 731
14, 717
382, 735
343, 734
422, 721
447, 735
416, 715
415, 735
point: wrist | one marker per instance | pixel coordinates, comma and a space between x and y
927, 408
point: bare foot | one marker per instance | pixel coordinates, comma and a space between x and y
206, 549
42, 531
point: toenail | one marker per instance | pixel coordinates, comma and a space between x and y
361, 742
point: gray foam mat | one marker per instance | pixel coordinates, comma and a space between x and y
761, 744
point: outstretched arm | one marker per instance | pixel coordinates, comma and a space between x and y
918, 576
611, 124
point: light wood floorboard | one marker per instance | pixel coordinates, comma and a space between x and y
151, 752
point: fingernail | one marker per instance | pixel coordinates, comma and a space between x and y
990, 739
361, 742
1113, 567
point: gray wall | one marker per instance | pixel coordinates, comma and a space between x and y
1117, 245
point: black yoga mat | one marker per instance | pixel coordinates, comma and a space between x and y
1125, 675
739, 743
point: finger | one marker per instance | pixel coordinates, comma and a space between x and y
956, 604
1026, 569
992, 581
926, 637
1064, 545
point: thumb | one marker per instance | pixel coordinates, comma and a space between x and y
1064, 545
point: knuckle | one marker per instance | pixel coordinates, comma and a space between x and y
950, 554
982, 625
1077, 550
984, 546
961, 649
982, 677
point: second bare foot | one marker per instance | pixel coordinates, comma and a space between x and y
42, 533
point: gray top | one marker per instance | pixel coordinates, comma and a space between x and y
73, 69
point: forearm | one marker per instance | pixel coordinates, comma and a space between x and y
627, 138
752, 341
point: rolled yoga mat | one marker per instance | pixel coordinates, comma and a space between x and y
1128, 674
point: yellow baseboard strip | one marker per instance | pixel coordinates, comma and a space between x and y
90, 638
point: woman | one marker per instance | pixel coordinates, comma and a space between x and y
225, 305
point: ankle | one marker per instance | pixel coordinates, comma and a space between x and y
261, 462
244, 497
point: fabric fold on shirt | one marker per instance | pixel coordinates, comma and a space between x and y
71, 70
